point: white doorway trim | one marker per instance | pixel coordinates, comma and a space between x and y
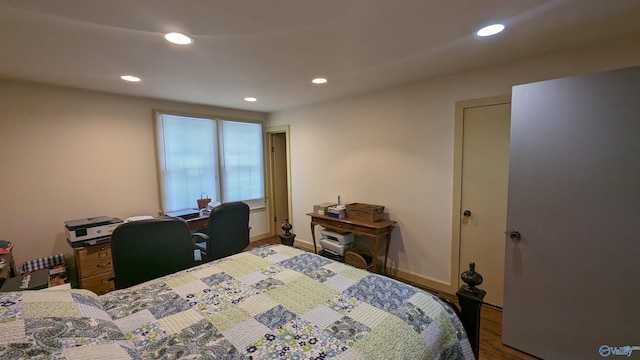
274, 229
456, 282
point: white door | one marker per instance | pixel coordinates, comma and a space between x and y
571, 280
483, 205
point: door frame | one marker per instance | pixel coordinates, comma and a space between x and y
456, 222
274, 229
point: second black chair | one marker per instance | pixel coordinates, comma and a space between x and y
227, 231
147, 249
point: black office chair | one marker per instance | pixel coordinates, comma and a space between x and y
227, 231
147, 249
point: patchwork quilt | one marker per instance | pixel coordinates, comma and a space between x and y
274, 302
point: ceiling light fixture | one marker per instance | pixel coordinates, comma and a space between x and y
130, 78
490, 30
178, 38
319, 81
250, 99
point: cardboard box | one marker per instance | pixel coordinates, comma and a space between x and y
365, 212
322, 209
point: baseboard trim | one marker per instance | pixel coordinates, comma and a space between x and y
421, 281
259, 237
303, 244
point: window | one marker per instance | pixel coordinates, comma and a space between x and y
221, 158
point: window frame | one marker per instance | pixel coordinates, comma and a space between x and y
258, 203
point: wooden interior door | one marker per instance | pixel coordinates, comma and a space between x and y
571, 278
280, 185
485, 171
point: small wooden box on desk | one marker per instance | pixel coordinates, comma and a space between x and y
95, 267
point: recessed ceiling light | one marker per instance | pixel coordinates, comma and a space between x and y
490, 30
319, 81
178, 38
130, 78
250, 99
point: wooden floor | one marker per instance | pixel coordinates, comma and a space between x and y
491, 347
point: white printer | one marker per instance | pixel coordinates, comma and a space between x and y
90, 230
335, 243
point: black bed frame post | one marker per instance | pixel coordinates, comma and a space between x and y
470, 300
470, 305
287, 238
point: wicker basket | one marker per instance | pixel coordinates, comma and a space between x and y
203, 201
360, 256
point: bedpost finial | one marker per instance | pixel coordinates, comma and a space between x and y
286, 226
471, 278
287, 238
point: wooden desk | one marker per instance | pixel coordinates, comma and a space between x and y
372, 229
199, 223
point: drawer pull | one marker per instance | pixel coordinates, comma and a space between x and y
103, 254
104, 265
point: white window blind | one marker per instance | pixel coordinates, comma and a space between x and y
193, 151
241, 161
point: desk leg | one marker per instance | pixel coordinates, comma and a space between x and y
374, 263
386, 252
313, 236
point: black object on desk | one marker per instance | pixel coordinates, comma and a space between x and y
185, 214
85, 243
34, 281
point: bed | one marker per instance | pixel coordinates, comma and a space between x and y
268, 303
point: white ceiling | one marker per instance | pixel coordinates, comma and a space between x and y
271, 49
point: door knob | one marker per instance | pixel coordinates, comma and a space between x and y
466, 213
515, 235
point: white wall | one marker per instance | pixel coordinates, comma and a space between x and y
394, 147
68, 154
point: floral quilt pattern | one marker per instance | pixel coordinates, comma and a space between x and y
275, 302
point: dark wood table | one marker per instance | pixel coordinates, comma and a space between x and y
199, 223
